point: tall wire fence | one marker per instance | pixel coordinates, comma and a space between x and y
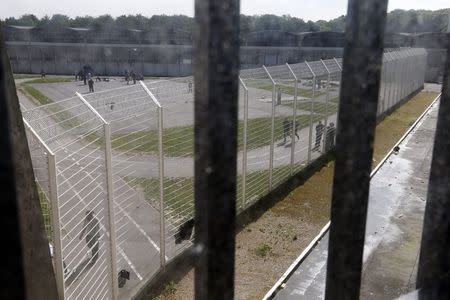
115, 168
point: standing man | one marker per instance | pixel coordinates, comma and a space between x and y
189, 87
90, 82
133, 76
127, 76
92, 229
319, 133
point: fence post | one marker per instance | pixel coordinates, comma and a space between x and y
272, 133
56, 232
244, 146
162, 226
312, 111
162, 221
55, 222
294, 119
110, 198
384, 82
327, 99
111, 218
390, 80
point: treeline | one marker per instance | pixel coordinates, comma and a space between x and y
178, 29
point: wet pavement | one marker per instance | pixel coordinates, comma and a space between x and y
394, 225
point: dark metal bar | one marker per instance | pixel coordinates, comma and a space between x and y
27, 271
361, 75
216, 119
434, 261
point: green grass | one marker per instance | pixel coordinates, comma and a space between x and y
51, 80
25, 76
46, 211
285, 89
64, 118
179, 141
318, 106
179, 191
36, 94
263, 250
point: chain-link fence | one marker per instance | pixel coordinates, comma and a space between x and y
115, 168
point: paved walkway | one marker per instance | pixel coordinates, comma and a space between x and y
394, 224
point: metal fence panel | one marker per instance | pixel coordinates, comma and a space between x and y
151, 165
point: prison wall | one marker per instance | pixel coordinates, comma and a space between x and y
149, 60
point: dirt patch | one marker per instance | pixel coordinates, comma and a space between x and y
266, 247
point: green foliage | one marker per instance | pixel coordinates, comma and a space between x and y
179, 28
263, 250
170, 288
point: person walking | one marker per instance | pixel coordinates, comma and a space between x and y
91, 227
189, 87
297, 127
286, 129
319, 133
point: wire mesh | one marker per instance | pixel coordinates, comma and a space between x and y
278, 105
133, 116
259, 132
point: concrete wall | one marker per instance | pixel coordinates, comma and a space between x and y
163, 60
149, 60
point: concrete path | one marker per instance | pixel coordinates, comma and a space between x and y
393, 231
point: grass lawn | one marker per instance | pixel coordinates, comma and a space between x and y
285, 89
36, 94
46, 211
179, 192
25, 76
179, 141
51, 80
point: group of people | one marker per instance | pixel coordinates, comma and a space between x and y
86, 77
330, 131
130, 76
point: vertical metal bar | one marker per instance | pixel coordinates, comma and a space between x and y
216, 118
294, 120
56, 232
311, 116
162, 221
403, 77
244, 146
365, 27
391, 79
434, 261
337, 63
327, 99
385, 82
272, 129
111, 215
340, 83
162, 224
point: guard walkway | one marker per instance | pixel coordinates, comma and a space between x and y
393, 231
